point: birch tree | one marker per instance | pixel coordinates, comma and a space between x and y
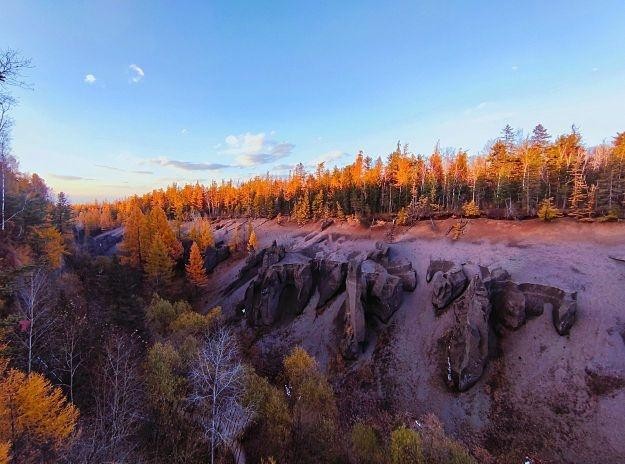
37, 320
217, 380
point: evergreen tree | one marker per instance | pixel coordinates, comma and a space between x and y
159, 265
195, 267
134, 246
158, 224
252, 243
62, 214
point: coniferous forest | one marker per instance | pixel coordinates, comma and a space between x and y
512, 179
117, 358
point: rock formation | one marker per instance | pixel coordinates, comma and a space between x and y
213, 255
468, 347
373, 284
484, 299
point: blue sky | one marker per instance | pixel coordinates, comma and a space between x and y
128, 96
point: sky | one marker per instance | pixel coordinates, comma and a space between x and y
128, 96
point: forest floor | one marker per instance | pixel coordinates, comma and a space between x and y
560, 398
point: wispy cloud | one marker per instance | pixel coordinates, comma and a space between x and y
137, 73
283, 167
189, 165
254, 149
89, 79
515, 67
184, 131
330, 157
113, 168
68, 177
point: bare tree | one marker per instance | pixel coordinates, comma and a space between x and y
37, 321
109, 433
70, 356
12, 65
218, 387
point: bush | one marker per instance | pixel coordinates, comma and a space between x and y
406, 447
365, 445
402, 217
471, 210
547, 211
438, 448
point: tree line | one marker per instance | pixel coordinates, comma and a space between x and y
514, 177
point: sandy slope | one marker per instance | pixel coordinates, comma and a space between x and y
536, 396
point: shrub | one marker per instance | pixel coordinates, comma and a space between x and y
406, 446
365, 445
471, 210
547, 211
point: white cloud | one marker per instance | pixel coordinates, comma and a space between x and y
137, 73
184, 131
515, 67
89, 79
595, 69
254, 149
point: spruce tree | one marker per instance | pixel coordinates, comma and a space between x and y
62, 214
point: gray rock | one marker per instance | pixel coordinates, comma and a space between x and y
468, 349
280, 290
508, 304
447, 286
213, 255
354, 329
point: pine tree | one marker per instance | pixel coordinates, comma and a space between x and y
195, 267
318, 205
340, 214
202, 233
578, 199
158, 224
252, 243
159, 265
51, 245
134, 245
62, 214
35, 416
235, 240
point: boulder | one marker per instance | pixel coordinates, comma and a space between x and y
402, 268
508, 304
447, 286
563, 316
468, 347
563, 304
383, 291
436, 266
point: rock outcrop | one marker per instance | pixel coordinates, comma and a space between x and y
281, 289
468, 346
213, 255
490, 300
330, 275
373, 284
